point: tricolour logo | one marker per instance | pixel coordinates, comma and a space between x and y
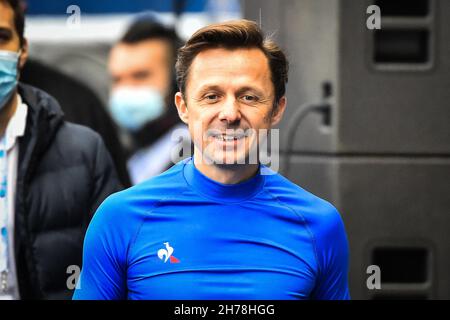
166, 254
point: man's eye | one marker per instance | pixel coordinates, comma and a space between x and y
211, 97
3, 38
5, 35
142, 75
249, 98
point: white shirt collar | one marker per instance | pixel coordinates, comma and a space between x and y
17, 123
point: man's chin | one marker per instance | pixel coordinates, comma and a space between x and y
228, 159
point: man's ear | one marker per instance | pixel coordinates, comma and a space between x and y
182, 109
23, 54
278, 114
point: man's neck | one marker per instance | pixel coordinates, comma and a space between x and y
226, 174
7, 112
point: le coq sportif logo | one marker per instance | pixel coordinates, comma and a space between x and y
166, 254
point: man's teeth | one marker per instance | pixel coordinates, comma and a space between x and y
225, 137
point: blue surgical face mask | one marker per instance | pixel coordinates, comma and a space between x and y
8, 75
132, 107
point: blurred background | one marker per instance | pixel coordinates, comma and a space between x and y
82, 50
368, 119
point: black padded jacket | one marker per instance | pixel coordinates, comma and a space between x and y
64, 173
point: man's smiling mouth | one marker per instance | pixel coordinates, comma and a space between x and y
229, 135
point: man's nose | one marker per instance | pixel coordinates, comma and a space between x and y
230, 111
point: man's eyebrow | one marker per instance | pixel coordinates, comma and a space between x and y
209, 87
252, 89
242, 90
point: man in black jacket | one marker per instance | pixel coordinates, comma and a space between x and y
80, 105
53, 175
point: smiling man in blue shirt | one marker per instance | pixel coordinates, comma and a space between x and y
217, 226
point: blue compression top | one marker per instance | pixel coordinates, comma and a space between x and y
181, 235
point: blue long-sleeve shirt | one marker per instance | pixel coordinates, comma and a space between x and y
181, 235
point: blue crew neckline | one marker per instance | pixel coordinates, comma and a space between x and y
219, 191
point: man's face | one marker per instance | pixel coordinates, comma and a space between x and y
228, 92
144, 64
9, 38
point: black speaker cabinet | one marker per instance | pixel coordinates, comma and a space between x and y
381, 154
389, 88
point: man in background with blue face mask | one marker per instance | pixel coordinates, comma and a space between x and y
53, 175
141, 66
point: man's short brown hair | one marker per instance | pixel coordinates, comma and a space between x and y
234, 35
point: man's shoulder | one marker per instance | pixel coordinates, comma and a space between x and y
134, 204
168, 183
315, 210
77, 136
79, 145
322, 219
153, 191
